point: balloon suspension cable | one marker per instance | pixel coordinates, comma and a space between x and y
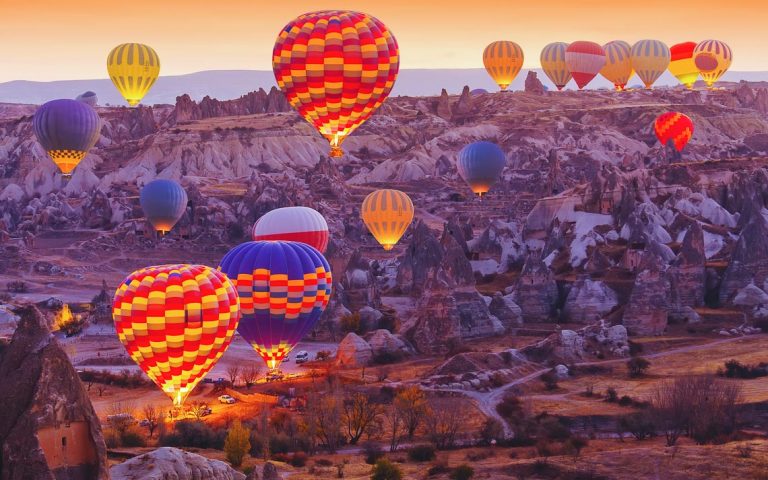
133, 102
388, 246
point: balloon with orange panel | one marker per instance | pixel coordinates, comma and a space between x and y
176, 321
336, 67
675, 127
712, 58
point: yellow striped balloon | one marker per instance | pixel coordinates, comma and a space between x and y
713, 58
553, 63
133, 68
618, 63
503, 61
387, 214
650, 58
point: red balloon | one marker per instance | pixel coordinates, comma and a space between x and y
584, 60
674, 126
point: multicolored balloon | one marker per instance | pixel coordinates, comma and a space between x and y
713, 58
387, 214
133, 68
336, 67
503, 60
650, 58
296, 224
553, 64
675, 127
284, 288
176, 321
480, 164
584, 60
618, 64
682, 64
164, 202
67, 130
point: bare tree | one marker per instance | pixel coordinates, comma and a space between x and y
101, 388
327, 415
394, 427
152, 417
412, 406
360, 415
250, 375
198, 409
233, 372
443, 420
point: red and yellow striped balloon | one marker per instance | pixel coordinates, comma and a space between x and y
674, 126
176, 321
336, 67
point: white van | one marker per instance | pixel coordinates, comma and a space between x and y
302, 356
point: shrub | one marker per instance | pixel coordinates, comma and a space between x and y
639, 424
132, 438
421, 453
637, 367
735, 369
462, 472
611, 395
372, 453
492, 430
298, 459
550, 380
438, 469
386, 470
626, 401
237, 444
111, 438
193, 433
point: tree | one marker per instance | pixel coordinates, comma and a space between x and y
412, 406
386, 470
637, 367
443, 420
327, 415
492, 430
462, 472
237, 444
394, 427
152, 416
198, 409
250, 375
233, 372
639, 424
360, 416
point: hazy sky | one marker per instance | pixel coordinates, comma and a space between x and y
70, 39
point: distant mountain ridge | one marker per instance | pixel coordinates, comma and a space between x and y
229, 84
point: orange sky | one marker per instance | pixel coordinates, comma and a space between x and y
69, 39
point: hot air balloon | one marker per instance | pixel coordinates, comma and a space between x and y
176, 321
88, 97
296, 224
67, 130
675, 127
387, 214
133, 68
553, 63
503, 61
480, 164
163, 202
618, 64
336, 67
283, 288
649, 59
682, 65
584, 61
712, 57
478, 91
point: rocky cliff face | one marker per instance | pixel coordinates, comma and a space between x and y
48, 428
536, 291
647, 310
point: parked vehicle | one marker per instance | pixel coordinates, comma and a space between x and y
228, 399
302, 356
274, 376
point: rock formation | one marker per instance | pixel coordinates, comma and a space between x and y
353, 351
536, 291
168, 463
533, 84
48, 428
647, 310
749, 263
359, 284
249, 104
687, 272
588, 301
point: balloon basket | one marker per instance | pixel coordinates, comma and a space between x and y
336, 152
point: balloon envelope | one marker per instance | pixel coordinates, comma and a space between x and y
649, 59
682, 64
675, 127
176, 321
480, 164
163, 202
712, 58
387, 214
584, 60
133, 68
296, 224
336, 67
503, 61
67, 130
554, 65
618, 64
283, 288
88, 97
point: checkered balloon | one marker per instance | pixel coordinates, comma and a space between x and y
176, 321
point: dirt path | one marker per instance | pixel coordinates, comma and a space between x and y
486, 401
